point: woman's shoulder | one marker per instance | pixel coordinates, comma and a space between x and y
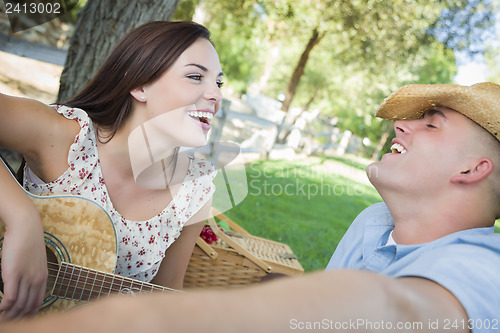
29, 126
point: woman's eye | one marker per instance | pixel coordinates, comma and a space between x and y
196, 77
220, 84
431, 126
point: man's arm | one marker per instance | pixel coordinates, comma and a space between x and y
348, 300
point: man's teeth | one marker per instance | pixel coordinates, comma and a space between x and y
397, 148
201, 114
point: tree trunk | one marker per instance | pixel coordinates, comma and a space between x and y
99, 26
299, 69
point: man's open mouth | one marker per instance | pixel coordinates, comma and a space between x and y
398, 149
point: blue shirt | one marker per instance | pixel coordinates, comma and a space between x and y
467, 263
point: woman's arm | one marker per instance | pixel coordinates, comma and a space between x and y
38, 132
174, 265
23, 123
43, 137
24, 263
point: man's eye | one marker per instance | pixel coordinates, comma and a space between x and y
431, 126
220, 84
196, 77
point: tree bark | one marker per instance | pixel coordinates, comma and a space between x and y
99, 26
299, 69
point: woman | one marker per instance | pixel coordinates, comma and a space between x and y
165, 73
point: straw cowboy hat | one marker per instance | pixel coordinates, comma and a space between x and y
479, 102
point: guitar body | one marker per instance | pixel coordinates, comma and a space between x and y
78, 232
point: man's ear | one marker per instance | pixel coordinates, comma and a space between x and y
139, 94
481, 168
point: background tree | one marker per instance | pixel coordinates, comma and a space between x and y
344, 56
99, 26
373, 31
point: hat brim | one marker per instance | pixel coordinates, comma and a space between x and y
480, 103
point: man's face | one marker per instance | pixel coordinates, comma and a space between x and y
426, 153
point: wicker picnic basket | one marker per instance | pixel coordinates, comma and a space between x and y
237, 258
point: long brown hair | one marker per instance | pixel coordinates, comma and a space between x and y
141, 57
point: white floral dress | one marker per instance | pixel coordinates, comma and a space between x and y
141, 244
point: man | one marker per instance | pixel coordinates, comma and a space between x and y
441, 192
425, 260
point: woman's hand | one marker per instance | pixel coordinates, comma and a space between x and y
24, 267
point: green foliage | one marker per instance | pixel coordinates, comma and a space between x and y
223, 225
232, 48
185, 10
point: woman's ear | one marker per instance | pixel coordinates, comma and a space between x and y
481, 168
139, 94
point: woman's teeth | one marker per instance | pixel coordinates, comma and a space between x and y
202, 115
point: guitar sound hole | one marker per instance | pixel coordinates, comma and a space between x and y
53, 267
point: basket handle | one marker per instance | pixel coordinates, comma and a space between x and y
205, 247
240, 249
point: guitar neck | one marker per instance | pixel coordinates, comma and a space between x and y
83, 284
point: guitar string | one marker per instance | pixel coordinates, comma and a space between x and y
106, 276
134, 284
101, 277
106, 284
87, 293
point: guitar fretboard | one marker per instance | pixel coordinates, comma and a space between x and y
83, 284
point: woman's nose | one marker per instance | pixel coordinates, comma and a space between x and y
213, 93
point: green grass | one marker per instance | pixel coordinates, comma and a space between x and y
303, 205
351, 161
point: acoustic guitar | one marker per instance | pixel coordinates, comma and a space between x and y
81, 253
